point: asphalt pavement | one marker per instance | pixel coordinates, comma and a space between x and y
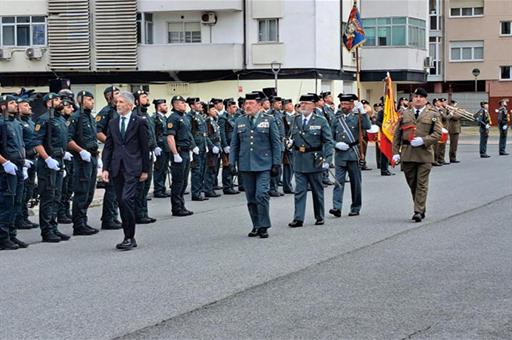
376, 276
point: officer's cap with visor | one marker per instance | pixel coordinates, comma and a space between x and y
420, 92
310, 97
347, 97
6, 98
177, 98
50, 96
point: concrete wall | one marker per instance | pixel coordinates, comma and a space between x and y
188, 5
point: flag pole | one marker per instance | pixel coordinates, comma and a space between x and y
358, 84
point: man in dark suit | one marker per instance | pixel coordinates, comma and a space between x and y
126, 161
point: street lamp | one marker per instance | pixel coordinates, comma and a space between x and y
276, 68
476, 73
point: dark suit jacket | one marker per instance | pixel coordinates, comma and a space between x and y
132, 153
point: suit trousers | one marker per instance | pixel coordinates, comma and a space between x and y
417, 175
179, 173
354, 173
302, 180
126, 192
454, 143
257, 185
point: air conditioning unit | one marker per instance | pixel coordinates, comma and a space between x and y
5, 54
209, 18
34, 53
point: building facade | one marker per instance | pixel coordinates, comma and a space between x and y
208, 48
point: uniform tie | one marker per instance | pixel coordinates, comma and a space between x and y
417, 113
304, 122
123, 126
252, 121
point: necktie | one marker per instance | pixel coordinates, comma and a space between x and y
123, 126
417, 113
304, 122
252, 121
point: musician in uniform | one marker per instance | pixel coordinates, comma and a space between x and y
256, 149
454, 130
415, 135
503, 119
312, 144
440, 147
484, 121
346, 136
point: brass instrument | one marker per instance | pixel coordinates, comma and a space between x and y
463, 113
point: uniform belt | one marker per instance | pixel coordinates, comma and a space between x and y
183, 149
303, 149
201, 134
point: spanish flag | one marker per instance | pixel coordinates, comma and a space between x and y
389, 122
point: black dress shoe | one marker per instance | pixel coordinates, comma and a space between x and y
217, 188
416, 217
161, 195
143, 220
253, 233
436, 164
51, 238
116, 221
20, 244
422, 216
95, 230
231, 192
335, 212
504, 153
454, 161
34, 225
189, 212
353, 213
8, 245
262, 232
83, 231
24, 225
200, 198
63, 237
64, 220
319, 222
274, 194
288, 192
152, 220
241, 188
365, 168
328, 182
387, 173
127, 244
149, 198
212, 194
484, 156
111, 226
295, 224
181, 213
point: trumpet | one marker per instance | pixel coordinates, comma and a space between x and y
464, 113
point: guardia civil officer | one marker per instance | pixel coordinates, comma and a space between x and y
162, 152
312, 144
277, 113
256, 149
503, 119
226, 126
288, 116
346, 135
181, 143
203, 143
416, 133
83, 145
12, 172
64, 213
51, 140
25, 116
213, 154
141, 203
109, 215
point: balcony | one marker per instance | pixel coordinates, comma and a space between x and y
187, 5
190, 57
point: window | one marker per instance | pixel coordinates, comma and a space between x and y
148, 18
184, 32
505, 73
139, 28
506, 28
23, 31
395, 31
268, 30
467, 12
435, 54
467, 51
435, 14
417, 33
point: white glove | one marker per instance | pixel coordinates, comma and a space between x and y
342, 146
195, 150
100, 163
85, 155
487, 126
359, 107
396, 158
417, 141
158, 151
289, 144
505, 127
25, 173
215, 150
52, 164
152, 156
28, 163
68, 156
64, 173
177, 158
227, 149
10, 168
325, 165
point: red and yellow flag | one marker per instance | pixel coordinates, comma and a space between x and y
389, 121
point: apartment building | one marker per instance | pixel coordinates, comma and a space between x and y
207, 48
471, 48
